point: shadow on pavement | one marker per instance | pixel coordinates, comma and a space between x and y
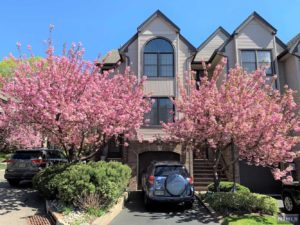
13, 198
168, 210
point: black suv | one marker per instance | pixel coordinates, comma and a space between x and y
167, 181
24, 164
291, 196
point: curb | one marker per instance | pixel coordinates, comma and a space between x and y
103, 220
209, 209
58, 217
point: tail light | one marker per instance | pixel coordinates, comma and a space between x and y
9, 161
190, 180
151, 179
37, 161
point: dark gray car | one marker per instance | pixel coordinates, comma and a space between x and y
167, 181
24, 164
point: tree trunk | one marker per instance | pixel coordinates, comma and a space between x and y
233, 166
215, 168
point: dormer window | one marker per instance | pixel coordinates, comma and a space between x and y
252, 60
159, 58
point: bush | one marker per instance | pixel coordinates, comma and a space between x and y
46, 180
226, 186
228, 202
71, 183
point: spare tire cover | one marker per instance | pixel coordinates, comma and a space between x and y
175, 184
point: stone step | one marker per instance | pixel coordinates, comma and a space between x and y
207, 176
200, 188
206, 179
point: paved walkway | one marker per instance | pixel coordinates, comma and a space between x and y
135, 213
16, 204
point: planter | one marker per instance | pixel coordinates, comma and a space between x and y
103, 220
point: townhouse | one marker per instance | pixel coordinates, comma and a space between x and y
161, 52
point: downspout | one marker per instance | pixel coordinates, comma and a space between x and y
188, 68
190, 155
276, 61
237, 60
137, 168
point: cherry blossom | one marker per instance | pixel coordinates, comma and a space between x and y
242, 112
68, 101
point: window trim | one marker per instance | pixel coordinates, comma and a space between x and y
158, 120
255, 50
158, 58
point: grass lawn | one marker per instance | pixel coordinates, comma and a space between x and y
252, 220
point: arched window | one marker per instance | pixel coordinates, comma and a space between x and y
159, 58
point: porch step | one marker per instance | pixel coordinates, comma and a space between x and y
204, 174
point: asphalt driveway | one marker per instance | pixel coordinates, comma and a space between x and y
16, 204
135, 213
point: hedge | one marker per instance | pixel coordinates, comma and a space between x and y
71, 182
229, 202
226, 186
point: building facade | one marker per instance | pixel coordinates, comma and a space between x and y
159, 51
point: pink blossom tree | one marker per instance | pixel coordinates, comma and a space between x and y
243, 114
68, 101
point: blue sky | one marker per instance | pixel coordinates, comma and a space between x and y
103, 25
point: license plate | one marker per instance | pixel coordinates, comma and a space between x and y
22, 165
159, 193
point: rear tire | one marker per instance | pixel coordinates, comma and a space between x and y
13, 182
289, 204
147, 202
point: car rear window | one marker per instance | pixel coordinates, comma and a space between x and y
167, 170
55, 155
27, 154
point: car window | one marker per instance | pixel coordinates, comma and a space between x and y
55, 155
26, 154
167, 170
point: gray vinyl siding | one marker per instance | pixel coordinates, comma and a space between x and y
207, 51
230, 53
157, 26
160, 86
280, 49
133, 56
254, 35
292, 74
163, 87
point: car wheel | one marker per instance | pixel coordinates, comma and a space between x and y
147, 202
13, 183
288, 203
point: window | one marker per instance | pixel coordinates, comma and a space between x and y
160, 111
158, 58
199, 76
254, 59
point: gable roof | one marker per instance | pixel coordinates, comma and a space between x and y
291, 47
219, 29
254, 15
221, 48
204, 44
158, 13
293, 43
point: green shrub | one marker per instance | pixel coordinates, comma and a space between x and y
228, 202
46, 180
226, 186
69, 183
